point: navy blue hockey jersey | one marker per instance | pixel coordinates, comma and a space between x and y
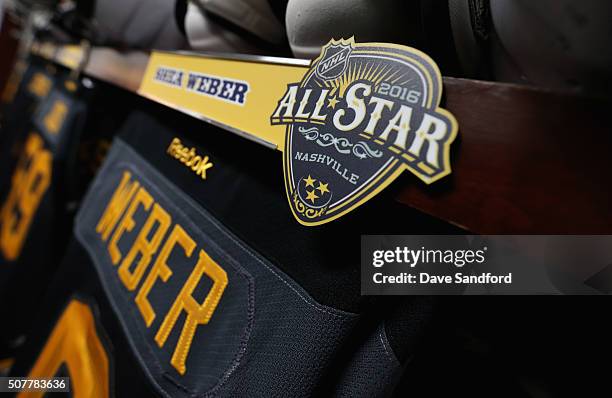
187, 276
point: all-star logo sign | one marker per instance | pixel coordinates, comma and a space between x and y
362, 114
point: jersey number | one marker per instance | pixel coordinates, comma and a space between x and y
75, 343
30, 182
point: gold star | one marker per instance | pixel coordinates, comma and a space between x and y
311, 196
331, 103
309, 181
322, 188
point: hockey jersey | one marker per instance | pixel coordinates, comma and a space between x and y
59, 145
188, 276
30, 83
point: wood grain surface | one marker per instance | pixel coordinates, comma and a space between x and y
525, 161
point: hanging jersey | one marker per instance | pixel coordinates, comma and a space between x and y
189, 277
30, 85
55, 165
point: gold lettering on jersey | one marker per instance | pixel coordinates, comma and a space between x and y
197, 314
29, 183
161, 270
54, 119
189, 157
39, 85
146, 261
75, 343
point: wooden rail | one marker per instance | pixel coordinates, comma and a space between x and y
526, 160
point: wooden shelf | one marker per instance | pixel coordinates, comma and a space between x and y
123, 69
526, 160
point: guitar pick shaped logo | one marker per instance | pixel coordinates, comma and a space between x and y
362, 114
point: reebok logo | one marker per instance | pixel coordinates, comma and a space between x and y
189, 157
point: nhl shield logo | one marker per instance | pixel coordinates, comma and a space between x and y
334, 59
362, 114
